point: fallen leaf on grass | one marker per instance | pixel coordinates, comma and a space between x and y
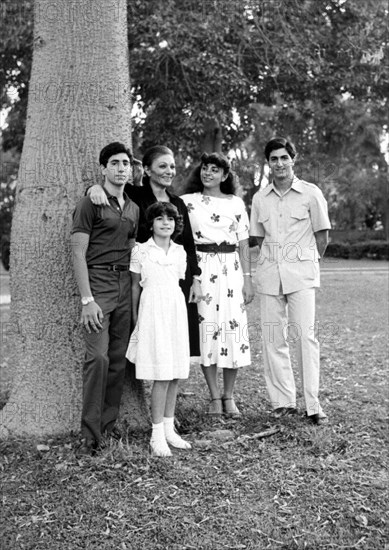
361, 520
204, 444
261, 435
61, 466
221, 434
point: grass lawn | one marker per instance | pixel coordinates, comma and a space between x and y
303, 487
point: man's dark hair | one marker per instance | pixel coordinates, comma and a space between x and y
280, 143
111, 149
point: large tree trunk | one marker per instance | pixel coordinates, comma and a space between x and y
79, 100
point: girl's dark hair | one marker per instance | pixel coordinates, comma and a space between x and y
149, 157
194, 183
280, 143
164, 209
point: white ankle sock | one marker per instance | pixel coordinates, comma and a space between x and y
172, 436
158, 444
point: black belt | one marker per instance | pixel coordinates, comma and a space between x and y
110, 267
216, 248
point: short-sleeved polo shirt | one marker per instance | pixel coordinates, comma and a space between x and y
111, 229
289, 256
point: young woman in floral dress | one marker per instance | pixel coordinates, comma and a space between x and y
220, 225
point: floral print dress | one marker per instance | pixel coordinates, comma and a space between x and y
224, 338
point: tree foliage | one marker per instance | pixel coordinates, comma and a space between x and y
16, 46
314, 70
197, 61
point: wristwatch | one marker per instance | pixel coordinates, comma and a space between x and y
87, 300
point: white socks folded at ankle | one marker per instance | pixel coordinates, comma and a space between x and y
164, 433
172, 436
158, 444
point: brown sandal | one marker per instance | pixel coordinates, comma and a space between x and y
215, 407
229, 408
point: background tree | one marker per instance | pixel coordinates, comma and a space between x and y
9, 162
204, 73
16, 46
324, 86
78, 101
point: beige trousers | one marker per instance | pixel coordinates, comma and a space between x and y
290, 317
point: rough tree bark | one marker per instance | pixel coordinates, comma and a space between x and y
79, 100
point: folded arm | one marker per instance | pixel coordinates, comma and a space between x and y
97, 195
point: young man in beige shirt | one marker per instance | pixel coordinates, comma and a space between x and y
289, 219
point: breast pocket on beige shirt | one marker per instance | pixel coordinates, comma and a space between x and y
299, 214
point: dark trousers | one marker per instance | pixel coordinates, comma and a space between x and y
105, 361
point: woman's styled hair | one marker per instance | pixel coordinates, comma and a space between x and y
149, 157
137, 172
164, 209
280, 143
194, 183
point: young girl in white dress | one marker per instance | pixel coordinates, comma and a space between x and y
159, 345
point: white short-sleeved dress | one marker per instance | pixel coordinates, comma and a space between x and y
224, 338
159, 345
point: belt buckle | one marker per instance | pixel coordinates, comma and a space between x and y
115, 268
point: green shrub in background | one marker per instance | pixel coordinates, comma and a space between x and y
356, 235
5, 251
375, 250
338, 250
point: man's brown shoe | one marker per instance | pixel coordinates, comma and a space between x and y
87, 448
284, 411
317, 419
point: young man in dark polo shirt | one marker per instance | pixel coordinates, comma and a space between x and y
102, 239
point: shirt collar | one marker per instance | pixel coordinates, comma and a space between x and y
125, 196
153, 244
296, 186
